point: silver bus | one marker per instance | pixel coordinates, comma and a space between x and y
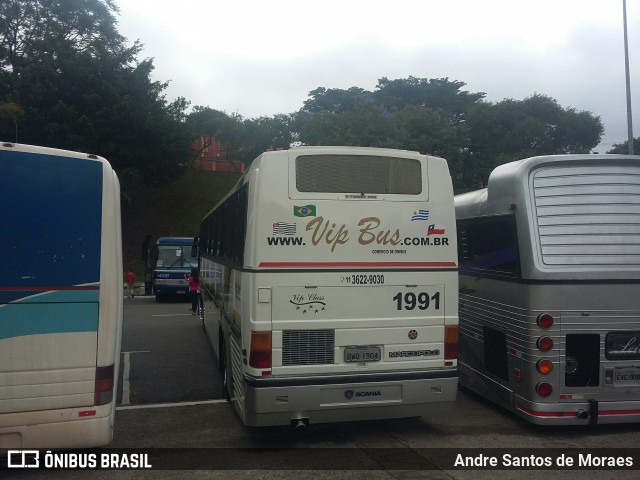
549, 265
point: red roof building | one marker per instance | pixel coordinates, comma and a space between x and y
212, 157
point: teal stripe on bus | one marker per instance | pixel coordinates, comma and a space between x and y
39, 316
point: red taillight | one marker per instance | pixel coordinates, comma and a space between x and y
260, 352
103, 391
545, 366
544, 344
544, 389
450, 342
544, 320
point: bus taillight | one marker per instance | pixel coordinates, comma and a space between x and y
544, 320
103, 391
545, 366
260, 353
450, 342
544, 389
544, 344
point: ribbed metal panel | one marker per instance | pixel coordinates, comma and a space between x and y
358, 174
588, 215
308, 347
237, 373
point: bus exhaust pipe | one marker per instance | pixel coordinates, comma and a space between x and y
299, 423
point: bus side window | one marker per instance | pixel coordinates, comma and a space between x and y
489, 245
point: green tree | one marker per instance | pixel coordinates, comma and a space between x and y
513, 129
82, 88
13, 112
265, 133
623, 148
209, 124
426, 115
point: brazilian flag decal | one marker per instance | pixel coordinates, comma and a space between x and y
304, 211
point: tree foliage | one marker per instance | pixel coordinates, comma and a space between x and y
81, 88
242, 139
512, 129
623, 148
438, 116
69, 80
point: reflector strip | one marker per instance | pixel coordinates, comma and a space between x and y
635, 411
572, 414
354, 264
16, 288
87, 413
545, 414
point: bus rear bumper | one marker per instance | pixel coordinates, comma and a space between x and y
283, 402
578, 413
64, 428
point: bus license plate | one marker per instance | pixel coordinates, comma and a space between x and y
629, 376
362, 354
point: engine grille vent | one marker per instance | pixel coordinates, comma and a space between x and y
308, 347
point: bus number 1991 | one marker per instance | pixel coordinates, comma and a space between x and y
422, 300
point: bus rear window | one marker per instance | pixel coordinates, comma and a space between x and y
358, 174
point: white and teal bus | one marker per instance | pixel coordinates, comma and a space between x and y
330, 282
61, 298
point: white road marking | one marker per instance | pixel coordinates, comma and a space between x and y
126, 385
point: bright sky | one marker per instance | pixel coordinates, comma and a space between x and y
262, 57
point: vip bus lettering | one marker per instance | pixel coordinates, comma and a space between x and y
384, 237
321, 230
369, 233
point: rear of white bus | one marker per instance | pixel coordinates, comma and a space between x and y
60, 298
351, 307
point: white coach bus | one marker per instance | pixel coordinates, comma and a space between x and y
330, 282
549, 288
60, 298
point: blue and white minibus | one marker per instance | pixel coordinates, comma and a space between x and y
61, 298
171, 261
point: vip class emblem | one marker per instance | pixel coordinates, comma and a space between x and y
413, 334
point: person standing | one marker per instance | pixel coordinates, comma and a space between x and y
194, 291
131, 278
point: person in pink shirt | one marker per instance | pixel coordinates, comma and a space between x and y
194, 291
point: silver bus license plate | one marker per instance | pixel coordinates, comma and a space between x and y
362, 354
629, 376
